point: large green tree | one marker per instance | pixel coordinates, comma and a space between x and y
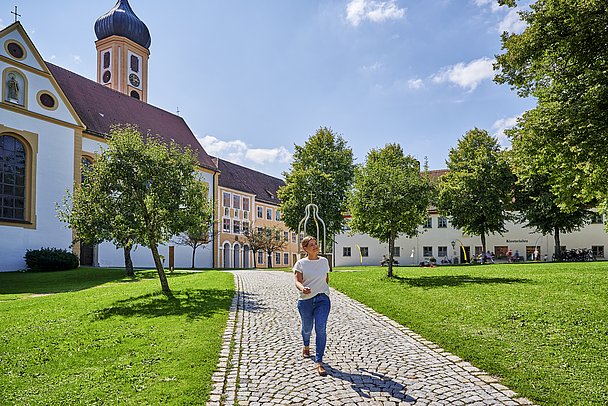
476, 192
322, 173
561, 59
390, 197
149, 188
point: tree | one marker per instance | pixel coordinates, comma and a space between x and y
199, 235
321, 172
534, 196
561, 58
476, 192
97, 217
256, 241
390, 197
153, 191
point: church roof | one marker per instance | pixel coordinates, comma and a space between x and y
100, 107
122, 21
237, 177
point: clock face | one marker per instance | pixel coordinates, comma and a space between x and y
134, 79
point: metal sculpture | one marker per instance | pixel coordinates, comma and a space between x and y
312, 211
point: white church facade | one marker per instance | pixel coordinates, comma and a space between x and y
52, 121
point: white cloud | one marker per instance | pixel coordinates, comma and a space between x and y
373, 67
512, 23
499, 128
76, 58
493, 4
415, 83
239, 152
467, 76
358, 11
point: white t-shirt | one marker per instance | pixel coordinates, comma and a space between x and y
314, 275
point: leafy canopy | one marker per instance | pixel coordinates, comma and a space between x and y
321, 173
476, 192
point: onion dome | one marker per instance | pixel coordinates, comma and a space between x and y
122, 21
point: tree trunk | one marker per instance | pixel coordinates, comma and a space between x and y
558, 248
483, 245
270, 260
391, 246
128, 262
161, 272
255, 265
193, 255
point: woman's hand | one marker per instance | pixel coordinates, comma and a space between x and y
306, 290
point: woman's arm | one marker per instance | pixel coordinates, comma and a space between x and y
300, 283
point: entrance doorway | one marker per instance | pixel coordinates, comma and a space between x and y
87, 253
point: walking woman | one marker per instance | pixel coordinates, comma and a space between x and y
312, 280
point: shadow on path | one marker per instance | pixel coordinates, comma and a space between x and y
368, 382
193, 303
455, 280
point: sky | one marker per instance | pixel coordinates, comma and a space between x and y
254, 78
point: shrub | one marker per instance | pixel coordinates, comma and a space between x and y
50, 259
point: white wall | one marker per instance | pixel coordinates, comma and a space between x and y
517, 238
54, 175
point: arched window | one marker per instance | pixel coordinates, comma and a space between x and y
12, 178
85, 164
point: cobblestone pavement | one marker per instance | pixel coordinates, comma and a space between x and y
370, 359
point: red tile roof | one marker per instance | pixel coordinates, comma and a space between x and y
237, 177
100, 108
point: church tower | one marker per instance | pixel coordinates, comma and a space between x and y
123, 43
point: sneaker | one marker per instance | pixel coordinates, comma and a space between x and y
320, 370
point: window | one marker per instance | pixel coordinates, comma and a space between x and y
268, 214
260, 212
245, 203
501, 251
277, 215
597, 218
245, 226
427, 251
598, 251
12, 178
236, 213
246, 215
442, 222
226, 199
277, 258
442, 251
396, 251
236, 201
286, 235
236, 227
226, 225
285, 258
226, 211
260, 257
346, 251
478, 250
85, 166
293, 237
429, 223
364, 251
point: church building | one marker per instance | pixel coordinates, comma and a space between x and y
53, 121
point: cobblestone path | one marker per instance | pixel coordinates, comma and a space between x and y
370, 359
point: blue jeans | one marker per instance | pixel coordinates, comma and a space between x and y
315, 311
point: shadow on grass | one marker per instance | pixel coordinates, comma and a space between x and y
193, 303
454, 280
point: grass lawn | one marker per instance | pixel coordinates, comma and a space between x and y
542, 328
93, 336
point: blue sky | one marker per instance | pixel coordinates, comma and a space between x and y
253, 78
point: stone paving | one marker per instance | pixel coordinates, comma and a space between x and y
370, 359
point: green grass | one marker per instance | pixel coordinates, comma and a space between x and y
542, 328
101, 338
